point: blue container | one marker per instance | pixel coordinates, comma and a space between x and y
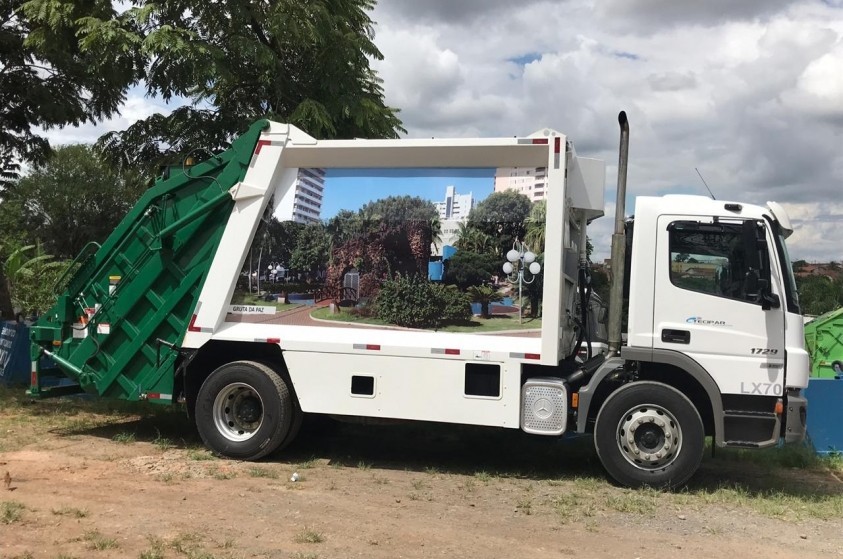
14, 353
435, 271
825, 415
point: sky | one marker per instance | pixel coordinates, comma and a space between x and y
349, 189
749, 92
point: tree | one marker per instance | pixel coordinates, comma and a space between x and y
535, 223
31, 276
70, 200
306, 63
502, 216
473, 239
485, 295
819, 294
397, 209
47, 78
466, 268
311, 249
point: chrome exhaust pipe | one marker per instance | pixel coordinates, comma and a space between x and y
618, 244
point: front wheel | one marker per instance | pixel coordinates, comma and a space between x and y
244, 410
649, 434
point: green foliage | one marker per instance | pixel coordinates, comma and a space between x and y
484, 295
472, 239
49, 79
466, 268
396, 209
307, 63
71, 199
31, 276
311, 249
535, 224
414, 302
502, 216
819, 294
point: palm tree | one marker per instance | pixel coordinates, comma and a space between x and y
484, 295
536, 227
473, 239
435, 233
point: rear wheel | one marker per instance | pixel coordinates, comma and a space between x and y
649, 434
245, 410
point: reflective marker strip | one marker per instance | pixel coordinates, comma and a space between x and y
158, 396
193, 328
525, 356
260, 145
557, 148
268, 340
444, 351
371, 347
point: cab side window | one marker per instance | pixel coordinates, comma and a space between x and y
709, 258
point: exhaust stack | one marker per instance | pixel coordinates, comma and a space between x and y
618, 244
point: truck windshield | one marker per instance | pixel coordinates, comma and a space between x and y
791, 293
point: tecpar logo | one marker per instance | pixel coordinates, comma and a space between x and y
704, 321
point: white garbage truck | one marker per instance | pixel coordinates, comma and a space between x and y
713, 343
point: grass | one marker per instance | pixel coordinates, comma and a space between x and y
220, 474
200, 454
162, 443
258, 471
483, 477
311, 462
477, 325
309, 536
11, 512
96, 541
525, 505
124, 437
72, 512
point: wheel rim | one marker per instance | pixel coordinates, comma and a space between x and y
649, 437
238, 412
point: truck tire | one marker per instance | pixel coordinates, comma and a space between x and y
244, 410
649, 434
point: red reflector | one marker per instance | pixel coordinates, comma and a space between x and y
273, 340
33, 379
532, 356
557, 146
452, 352
373, 347
154, 396
260, 145
540, 140
191, 327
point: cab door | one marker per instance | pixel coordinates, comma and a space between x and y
717, 301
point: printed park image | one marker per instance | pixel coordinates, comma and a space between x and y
435, 249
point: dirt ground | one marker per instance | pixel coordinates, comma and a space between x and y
88, 481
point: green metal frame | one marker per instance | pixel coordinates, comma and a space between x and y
142, 285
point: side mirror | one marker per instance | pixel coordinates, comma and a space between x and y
758, 290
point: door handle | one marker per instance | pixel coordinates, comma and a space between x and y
676, 336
